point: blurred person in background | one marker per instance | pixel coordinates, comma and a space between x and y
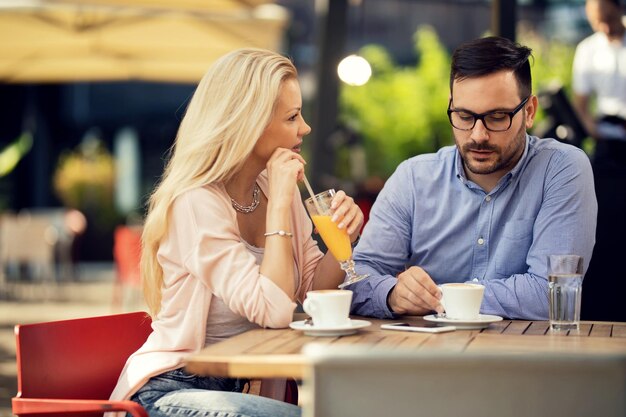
488, 210
227, 243
599, 72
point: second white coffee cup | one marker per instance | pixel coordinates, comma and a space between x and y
462, 300
328, 308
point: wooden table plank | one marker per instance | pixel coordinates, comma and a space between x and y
583, 330
274, 344
245, 341
497, 327
392, 340
538, 328
601, 330
359, 339
516, 327
547, 344
619, 330
295, 346
248, 366
456, 341
414, 341
265, 353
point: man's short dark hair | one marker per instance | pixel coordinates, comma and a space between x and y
485, 56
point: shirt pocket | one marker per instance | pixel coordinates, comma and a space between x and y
512, 249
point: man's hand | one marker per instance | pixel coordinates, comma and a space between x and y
415, 293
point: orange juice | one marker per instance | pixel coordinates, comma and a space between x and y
336, 239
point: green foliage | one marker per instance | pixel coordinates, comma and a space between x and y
400, 112
552, 64
11, 155
84, 180
551, 69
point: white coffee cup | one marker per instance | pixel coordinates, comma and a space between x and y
328, 308
462, 300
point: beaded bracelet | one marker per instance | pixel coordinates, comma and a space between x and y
279, 233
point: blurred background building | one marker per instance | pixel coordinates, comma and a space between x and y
92, 91
146, 93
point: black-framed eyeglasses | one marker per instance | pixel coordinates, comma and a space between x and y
494, 121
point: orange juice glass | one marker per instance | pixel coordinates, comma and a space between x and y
336, 239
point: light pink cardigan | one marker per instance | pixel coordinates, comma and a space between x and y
202, 255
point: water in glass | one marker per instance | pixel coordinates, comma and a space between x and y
565, 295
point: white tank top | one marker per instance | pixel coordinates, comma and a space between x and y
222, 323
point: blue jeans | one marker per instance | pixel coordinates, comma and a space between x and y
178, 393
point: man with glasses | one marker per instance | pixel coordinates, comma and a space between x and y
488, 210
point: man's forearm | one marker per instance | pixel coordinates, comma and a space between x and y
370, 296
522, 296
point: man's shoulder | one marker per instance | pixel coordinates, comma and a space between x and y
551, 144
554, 150
424, 169
444, 155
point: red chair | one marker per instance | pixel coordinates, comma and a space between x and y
72, 366
127, 256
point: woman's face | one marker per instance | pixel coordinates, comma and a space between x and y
287, 126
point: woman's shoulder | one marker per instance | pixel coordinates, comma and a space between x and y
208, 191
199, 211
210, 198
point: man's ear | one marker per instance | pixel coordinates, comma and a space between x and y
531, 111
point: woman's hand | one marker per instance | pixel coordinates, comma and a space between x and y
284, 168
347, 214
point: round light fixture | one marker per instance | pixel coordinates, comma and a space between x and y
354, 70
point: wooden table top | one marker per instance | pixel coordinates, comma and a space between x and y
274, 353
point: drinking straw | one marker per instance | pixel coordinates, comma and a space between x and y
308, 187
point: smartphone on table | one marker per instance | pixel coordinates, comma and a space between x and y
424, 328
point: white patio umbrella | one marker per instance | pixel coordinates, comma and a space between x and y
158, 40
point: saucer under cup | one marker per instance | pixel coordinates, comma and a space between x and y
483, 321
311, 330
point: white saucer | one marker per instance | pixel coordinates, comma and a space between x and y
481, 322
312, 330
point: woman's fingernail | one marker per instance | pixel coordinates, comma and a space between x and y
334, 218
341, 225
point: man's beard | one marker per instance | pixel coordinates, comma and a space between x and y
502, 161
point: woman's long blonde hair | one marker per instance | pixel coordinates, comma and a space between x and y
228, 112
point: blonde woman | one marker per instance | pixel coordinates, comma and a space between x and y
227, 243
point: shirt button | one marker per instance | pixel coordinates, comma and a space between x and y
481, 241
488, 198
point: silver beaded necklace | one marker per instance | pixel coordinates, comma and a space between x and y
256, 192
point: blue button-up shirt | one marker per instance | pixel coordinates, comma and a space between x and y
430, 215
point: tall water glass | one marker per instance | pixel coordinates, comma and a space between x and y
336, 239
565, 279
